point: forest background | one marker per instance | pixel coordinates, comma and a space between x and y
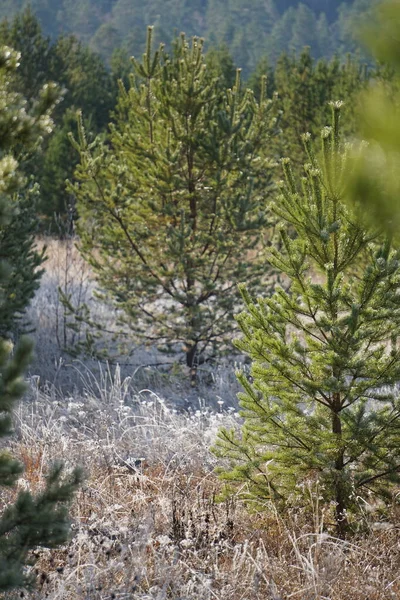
250, 29
85, 47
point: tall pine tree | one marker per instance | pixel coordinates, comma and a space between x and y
29, 521
322, 400
172, 209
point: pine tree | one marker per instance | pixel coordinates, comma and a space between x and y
87, 82
41, 520
57, 166
280, 34
250, 28
374, 182
220, 62
172, 208
106, 42
24, 263
121, 67
262, 75
304, 30
322, 400
295, 84
305, 87
31, 521
86, 85
17, 236
25, 35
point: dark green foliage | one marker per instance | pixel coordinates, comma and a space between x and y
22, 261
220, 63
86, 84
57, 165
322, 402
86, 80
121, 66
303, 84
25, 35
173, 207
249, 28
305, 88
263, 72
31, 521
20, 132
41, 520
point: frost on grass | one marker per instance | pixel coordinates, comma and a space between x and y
147, 523
146, 366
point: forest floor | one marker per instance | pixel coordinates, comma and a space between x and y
147, 523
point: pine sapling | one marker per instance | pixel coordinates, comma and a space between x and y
322, 400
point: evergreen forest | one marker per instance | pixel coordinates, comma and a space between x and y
249, 30
199, 299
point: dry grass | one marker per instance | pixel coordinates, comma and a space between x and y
146, 524
145, 366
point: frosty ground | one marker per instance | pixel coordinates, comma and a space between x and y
148, 522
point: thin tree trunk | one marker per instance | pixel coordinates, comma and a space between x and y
191, 362
340, 491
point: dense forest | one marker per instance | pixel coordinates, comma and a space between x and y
301, 84
250, 29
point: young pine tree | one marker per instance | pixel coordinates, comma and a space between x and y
21, 131
375, 176
304, 87
172, 210
29, 521
321, 401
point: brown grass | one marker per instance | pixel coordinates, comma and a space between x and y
151, 528
160, 534
146, 524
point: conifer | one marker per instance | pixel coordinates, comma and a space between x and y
21, 133
321, 402
172, 209
85, 84
305, 87
29, 521
374, 181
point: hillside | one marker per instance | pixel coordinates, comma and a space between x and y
250, 29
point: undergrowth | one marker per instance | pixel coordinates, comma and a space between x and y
147, 524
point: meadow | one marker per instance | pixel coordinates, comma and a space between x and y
181, 212
148, 523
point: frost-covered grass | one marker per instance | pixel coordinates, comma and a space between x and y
144, 366
147, 523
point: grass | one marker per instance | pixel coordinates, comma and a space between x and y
145, 367
147, 523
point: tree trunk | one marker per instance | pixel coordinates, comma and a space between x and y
191, 362
340, 490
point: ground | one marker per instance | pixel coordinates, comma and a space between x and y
147, 524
